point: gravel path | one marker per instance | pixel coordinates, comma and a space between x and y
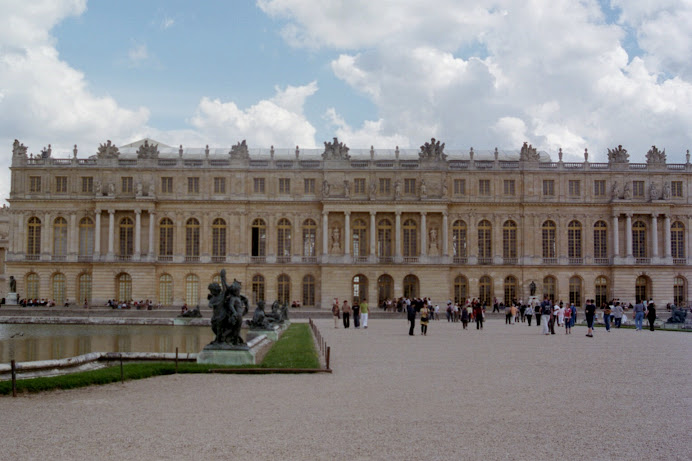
503, 393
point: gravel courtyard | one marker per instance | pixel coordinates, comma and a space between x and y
506, 392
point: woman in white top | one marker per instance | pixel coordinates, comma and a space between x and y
561, 315
528, 313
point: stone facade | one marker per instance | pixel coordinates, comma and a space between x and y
145, 221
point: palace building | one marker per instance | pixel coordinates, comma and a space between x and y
148, 221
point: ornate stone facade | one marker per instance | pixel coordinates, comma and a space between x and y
313, 224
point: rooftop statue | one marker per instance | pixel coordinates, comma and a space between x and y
529, 153
18, 149
618, 155
108, 150
147, 150
239, 151
335, 151
432, 150
655, 156
46, 152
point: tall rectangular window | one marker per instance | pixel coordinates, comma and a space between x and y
459, 187
638, 189
385, 186
676, 189
193, 185
309, 185
258, 185
359, 186
508, 185
219, 185
87, 184
409, 186
574, 187
484, 187
34, 184
166, 185
61, 184
126, 185
284, 186
599, 188
548, 188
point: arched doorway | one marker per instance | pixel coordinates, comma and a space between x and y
359, 288
411, 286
385, 288
642, 288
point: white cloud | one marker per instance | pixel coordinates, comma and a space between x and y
137, 54
167, 23
370, 134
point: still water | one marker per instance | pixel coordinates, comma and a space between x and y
25, 343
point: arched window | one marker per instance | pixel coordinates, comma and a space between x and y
385, 288
600, 240
84, 288
58, 285
641, 288
411, 286
677, 240
284, 289
59, 237
166, 289
410, 238
33, 247
384, 238
574, 240
257, 289
461, 289
459, 239
192, 239
123, 287
548, 239
639, 239
259, 238
509, 240
308, 290
126, 239
601, 286
575, 290
550, 288
32, 286
360, 238
485, 248
166, 239
309, 239
283, 243
510, 289
485, 290
218, 240
679, 291
359, 287
86, 239
192, 290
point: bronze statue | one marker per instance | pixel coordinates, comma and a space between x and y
228, 306
13, 284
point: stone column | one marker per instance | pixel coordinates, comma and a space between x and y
72, 237
325, 233
138, 234
347, 233
423, 234
667, 250
628, 234
472, 240
688, 231
46, 234
111, 235
373, 232
397, 237
445, 235
616, 237
654, 236
97, 235
152, 223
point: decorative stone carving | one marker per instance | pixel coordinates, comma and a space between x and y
139, 191
655, 156
397, 189
240, 151
192, 313
325, 188
666, 191
433, 248
206, 151
678, 316
528, 153
347, 188
335, 151
627, 192
97, 187
618, 155
373, 190
586, 155
74, 151
433, 150
444, 187
13, 284
108, 150
147, 150
336, 239
615, 191
111, 189
262, 320
18, 149
653, 191
423, 189
46, 152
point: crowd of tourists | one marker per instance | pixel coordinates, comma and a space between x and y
359, 311
138, 305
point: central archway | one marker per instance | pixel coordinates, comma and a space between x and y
385, 288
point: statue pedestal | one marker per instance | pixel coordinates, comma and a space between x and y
11, 299
273, 334
248, 354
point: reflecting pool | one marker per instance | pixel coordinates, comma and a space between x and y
29, 342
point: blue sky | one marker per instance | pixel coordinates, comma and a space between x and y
559, 74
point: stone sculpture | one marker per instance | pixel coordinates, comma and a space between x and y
193, 313
532, 288
423, 189
655, 156
679, 316
528, 153
335, 151
666, 190
627, 193
618, 155
279, 312
615, 190
432, 150
653, 191
18, 149
108, 150
325, 188
347, 189
262, 320
147, 150
240, 151
13, 284
228, 306
336, 239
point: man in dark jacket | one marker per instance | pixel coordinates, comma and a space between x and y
411, 313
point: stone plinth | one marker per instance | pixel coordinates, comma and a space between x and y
272, 334
11, 299
250, 354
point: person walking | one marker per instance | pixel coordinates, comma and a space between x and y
618, 313
606, 317
528, 313
478, 315
346, 313
356, 315
546, 308
651, 314
568, 320
411, 315
364, 313
639, 315
590, 312
336, 312
464, 316
539, 313
424, 316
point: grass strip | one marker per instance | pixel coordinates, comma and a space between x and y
295, 349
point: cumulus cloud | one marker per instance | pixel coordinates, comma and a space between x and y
137, 53
369, 134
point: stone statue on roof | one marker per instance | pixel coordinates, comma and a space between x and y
432, 150
335, 150
528, 153
46, 151
240, 151
147, 150
655, 156
108, 150
618, 155
18, 149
